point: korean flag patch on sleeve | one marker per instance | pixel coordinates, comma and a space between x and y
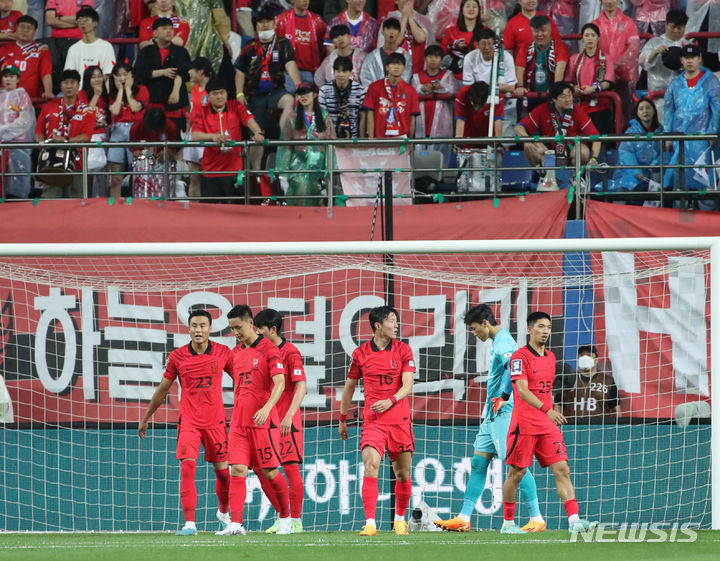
516, 367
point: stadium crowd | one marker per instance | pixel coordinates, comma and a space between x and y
137, 70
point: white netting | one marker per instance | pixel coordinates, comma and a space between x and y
84, 341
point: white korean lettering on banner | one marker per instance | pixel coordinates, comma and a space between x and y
141, 370
54, 308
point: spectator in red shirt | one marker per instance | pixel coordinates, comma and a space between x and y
163, 68
472, 113
558, 117
60, 15
306, 31
392, 103
181, 28
8, 20
462, 37
222, 121
128, 101
66, 119
34, 57
517, 31
200, 72
540, 63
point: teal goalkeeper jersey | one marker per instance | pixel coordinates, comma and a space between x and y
503, 346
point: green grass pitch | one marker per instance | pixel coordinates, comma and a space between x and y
343, 546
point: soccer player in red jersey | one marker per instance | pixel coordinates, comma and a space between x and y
269, 325
534, 426
387, 367
259, 376
198, 366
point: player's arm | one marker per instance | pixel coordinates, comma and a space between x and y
157, 400
383, 405
347, 396
524, 393
507, 389
298, 396
263, 413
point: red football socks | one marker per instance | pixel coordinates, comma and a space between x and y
370, 496
188, 492
297, 489
237, 494
222, 488
509, 511
280, 489
403, 490
571, 507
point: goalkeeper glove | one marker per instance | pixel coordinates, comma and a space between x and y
496, 401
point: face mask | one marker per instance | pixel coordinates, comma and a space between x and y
266, 36
585, 362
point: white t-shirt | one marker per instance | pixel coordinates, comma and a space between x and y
98, 53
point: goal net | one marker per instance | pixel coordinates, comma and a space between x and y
84, 340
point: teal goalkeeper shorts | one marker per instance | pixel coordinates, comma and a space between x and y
492, 436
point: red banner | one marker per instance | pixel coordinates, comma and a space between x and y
85, 340
654, 327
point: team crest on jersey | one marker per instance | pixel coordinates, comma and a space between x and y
214, 365
393, 364
255, 362
516, 367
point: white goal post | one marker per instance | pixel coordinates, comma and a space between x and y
22, 253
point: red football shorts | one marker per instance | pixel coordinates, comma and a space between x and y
396, 438
214, 440
291, 446
548, 448
253, 447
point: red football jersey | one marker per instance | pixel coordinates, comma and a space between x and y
539, 372
381, 371
200, 377
126, 114
180, 27
294, 372
33, 60
253, 370
476, 122
404, 99
517, 33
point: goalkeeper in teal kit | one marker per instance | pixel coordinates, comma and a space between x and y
492, 438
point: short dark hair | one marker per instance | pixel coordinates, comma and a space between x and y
87, 12
539, 20
27, 19
535, 317
241, 311
200, 314
486, 33
480, 313
592, 349
269, 318
391, 23
265, 13
556, 89
154, 119
434, 50
203, 64
396, 58
70, 74
592, 26
343, 63
162, 22
379, 314
339, 30
478, 93
676, 17
215, 84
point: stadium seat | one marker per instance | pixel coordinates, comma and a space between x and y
516, 179
428, 159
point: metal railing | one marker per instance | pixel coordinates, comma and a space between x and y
246, 194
